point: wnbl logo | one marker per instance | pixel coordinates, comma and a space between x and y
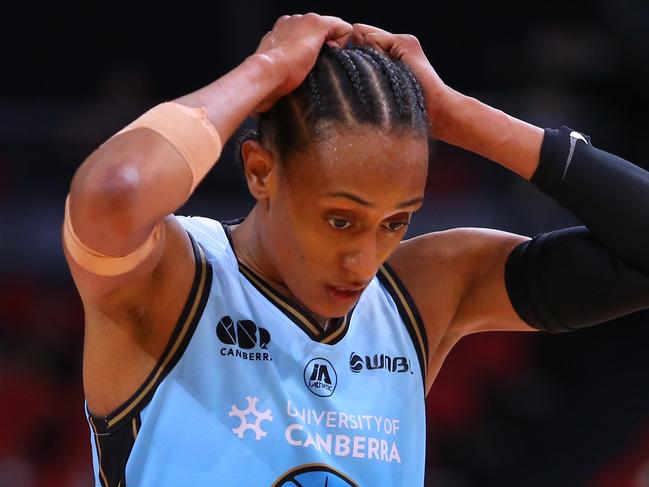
379, 361
320, 377
244, 334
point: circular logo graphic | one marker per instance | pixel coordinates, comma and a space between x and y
320, 377
355, 363
314, 475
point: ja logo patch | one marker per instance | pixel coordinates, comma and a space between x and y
320, 377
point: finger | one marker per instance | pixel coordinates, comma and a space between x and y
357, 38
382, 41
364, 29
339, 31
340, 41
368, 35
281, 20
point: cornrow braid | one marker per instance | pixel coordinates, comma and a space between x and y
393, 75
347, 86
316, 99
374, 93
419, 95
343, 58
380, 87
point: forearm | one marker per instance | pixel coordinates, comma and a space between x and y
137, 177
578, 277
472, 125
231, 98
607, 193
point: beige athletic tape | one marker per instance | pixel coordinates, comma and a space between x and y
102, 264
189, 131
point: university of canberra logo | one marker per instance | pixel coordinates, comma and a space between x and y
320, 377
243, 415
242, 338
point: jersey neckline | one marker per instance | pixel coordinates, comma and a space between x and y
291, 308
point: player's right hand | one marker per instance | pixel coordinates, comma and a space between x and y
293, 46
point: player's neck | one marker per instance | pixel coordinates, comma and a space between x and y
250, 251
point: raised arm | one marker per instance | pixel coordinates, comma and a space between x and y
132, 261
558, 281
124, 189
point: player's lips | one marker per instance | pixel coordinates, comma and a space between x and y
344, 294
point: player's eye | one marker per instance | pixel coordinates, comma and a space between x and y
339, 223
395, 226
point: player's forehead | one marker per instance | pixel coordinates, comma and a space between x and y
378, 166
364, 156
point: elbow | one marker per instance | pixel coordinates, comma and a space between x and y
103, 202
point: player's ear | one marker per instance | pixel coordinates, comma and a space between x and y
259, 167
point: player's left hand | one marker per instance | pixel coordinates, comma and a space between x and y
407, 48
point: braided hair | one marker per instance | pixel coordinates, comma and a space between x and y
352, 86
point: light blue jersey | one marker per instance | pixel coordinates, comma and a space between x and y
250, 391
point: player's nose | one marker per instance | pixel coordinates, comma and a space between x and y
362, 262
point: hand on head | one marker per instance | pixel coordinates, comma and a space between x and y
293, 46
295, 41
407, 48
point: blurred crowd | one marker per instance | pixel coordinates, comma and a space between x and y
507, 409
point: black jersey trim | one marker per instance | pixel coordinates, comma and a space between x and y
304, 321
103, 479
113, 451
182, 334
294, 311
409, 314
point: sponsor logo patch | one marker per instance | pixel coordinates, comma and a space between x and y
320, 377
379, 361
243, 339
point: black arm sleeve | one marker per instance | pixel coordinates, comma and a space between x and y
607, 193
582, 276
566, 280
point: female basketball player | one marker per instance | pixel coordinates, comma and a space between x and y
295, 347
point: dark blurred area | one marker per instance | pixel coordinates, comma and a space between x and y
508, 409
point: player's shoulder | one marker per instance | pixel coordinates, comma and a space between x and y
435, 261
211, 234
449, 247
199, 223
438, 267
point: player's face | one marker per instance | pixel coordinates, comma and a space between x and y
341, 209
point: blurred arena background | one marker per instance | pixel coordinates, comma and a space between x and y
507, 409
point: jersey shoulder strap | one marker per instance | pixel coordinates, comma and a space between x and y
211, 236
